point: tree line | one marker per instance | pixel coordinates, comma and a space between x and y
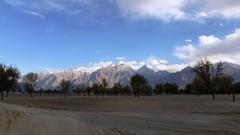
208, 80
212, 80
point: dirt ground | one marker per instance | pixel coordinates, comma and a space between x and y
156, 115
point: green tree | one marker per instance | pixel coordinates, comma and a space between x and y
147, 90
88, 90
199, 86
127, 91
117, 89
236, 87
218, 78
205, 70
8, 78
138, 83
13, 75
31, 79
159, 89
226, 86
65, 85
188, 89
170, 88
96, 88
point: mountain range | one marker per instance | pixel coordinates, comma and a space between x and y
122, 74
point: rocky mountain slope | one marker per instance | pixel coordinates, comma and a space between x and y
122, 74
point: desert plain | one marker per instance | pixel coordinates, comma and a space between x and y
119, 115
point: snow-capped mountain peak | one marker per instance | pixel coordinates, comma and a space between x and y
122, 73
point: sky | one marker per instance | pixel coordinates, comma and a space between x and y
168, 35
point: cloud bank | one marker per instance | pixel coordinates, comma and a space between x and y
154, 63
170, 10
214, 48
175, 10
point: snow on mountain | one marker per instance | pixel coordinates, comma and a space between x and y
86, 76
113, 74
122, 74
53, 79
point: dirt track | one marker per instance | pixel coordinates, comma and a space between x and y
120, 116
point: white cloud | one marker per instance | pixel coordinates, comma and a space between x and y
214, 48
185, 52
228, 9
234, 36
65, 6
160, 64
170, 10
164, 10
201, 15
175, 10
208, 40
101, 64
153, 63
120, 58
133, 64
188, 40
35, 14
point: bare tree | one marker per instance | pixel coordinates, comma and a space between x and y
104, 86
65, 85
31, 79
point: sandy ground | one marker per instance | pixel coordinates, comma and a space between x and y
170, 115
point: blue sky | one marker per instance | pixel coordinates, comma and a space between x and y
59, 34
